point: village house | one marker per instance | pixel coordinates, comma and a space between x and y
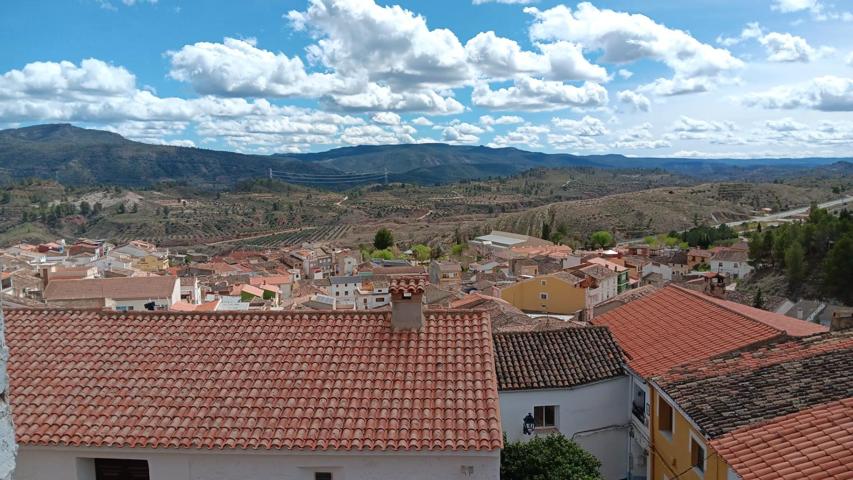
733, 262
120, 294
697, 257
560, 293
772, 411
497, 240
321, 395
623, 281
143, 255
673, 326
445, 274
372, 292
604, 283
572, 382
345, 288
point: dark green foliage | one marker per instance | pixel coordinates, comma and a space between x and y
704, 236
552, 457
816, 255
758, 299
383, 239
601, 239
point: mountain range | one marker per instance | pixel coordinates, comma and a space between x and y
78, 156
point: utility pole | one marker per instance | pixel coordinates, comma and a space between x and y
386, 175
270, 173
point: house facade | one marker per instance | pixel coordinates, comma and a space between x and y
572, 381
732, 262
320, 395
560, 293
445, 274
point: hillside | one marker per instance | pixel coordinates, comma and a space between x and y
77, 156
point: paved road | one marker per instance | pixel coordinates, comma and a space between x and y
791, 213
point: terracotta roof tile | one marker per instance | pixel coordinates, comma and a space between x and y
779, 449
407, 284
556, 359
763, 382
118, 287
674, 326
265, 380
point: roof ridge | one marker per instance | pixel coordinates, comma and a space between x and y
710, 300
557, 330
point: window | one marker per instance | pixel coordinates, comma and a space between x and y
380, 299
697, 454
543, 296
665, 419
545, 416
542, 282
121, 469
323, 476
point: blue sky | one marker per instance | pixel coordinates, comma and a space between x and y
719, 78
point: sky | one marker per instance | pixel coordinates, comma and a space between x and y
662, 78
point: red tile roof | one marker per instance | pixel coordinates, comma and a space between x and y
816, 443
674, 326
790, 325
271, 380
408, 284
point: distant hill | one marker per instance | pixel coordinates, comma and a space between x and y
76, 156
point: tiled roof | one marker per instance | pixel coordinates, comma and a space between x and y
407, 284
118, 287
730, 255
816, 443
556, 359
266, 380
674, 326
790, 325
763, 382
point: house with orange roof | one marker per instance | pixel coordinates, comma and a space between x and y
673, 326
780, 410
400, 392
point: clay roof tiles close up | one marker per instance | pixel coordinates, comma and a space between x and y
560, 358
271, 380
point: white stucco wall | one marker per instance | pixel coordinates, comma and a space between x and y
593, 415
42, 463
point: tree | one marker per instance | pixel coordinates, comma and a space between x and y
758, 299
601, 238
546, 231
85, 208
383, 254
838, 268
422, 252
383, 239
134, 208
794, 264
552, 457
457, 249
121, 208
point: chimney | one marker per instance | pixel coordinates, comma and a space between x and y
407, 309
715, 284
842, 319
45, 276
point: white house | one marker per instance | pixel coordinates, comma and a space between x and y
572, 382
323, 395
344, 288
732, 262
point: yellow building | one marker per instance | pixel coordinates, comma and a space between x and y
558, 293
681, 451
152, 263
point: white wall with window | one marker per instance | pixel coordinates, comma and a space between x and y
42, 463
593, 415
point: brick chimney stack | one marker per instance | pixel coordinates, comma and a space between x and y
407, 309
715, 284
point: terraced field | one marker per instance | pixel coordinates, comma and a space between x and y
308, 234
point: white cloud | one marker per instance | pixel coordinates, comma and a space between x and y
638, 101
489, 120
238, 68
687, 124
461, 133
624, 73
91, 77
786, 124
849, 59
639, 137
585, 127
383, 43
784, 47
374, 135
386, 118
787, 6
501, 58
422, 122
827, 93
533, 94
752, 30
625, 37
379, 97
667, 87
